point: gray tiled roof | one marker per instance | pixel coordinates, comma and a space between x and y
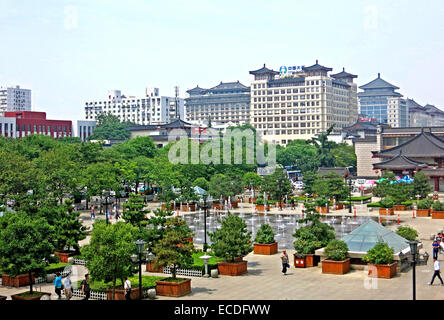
316, 67
263, 70
229, 85
425, 144
400, 162
369, 233
343, 74
378, 83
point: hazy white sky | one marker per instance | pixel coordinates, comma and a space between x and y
69, 52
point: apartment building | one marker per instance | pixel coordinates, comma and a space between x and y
152, 108
299, 102
15, 99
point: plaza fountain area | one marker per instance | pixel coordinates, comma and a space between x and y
283, 224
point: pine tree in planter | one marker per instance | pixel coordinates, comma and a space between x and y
337, 262
421, 185
174, 250
314, 235
380, 259
264, 241
231, 242
25, 248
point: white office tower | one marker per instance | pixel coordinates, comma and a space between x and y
15, 99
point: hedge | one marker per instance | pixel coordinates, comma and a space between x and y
148, 282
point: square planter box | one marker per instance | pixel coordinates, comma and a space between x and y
437, 214
164, 207
190, 207
336, 267
385, 271
323, 209
217, 206
251, 200
386, 211
150, 268
266, 249
19, 281
234, 205
339, 206
120, 294
311, 260
399, 207
17, 297
173, 289
64, 255
423, 212
261, 207
232, 268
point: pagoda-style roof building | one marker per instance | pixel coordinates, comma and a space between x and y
379, 87
264, 70
423, 152
345, 76
316, 69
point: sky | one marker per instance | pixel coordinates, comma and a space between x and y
72, 51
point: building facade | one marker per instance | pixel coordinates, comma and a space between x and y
149, 109
85, 128
15, 99
285, 107
381, 101
224, 103
424, 116
19, 124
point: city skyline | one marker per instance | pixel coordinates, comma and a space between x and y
69, 52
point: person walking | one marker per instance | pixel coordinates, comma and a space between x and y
437, 268
58, 285
292, 203
435, 245
93, 216
285, 265
68, 287
127, 287
86, 290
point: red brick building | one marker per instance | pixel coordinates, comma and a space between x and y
30, 122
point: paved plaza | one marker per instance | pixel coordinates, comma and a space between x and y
265, 280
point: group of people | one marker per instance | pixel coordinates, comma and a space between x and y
66, 286
108, 213
438, 246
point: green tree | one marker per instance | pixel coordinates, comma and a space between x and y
421, 185
323, 147
309, 178
109, 127
134, 212
156, 225
201, 183
381, 253
174, 249
25, 245
109, 252
336, 250
330, 186
407, 233
314, 235
277, 184
265, 235
222, 185
252, 180
232, 240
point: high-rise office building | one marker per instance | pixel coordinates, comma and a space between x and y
148, 109
226, 102
15, 99
299, 102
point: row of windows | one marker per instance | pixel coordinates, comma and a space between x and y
288, 132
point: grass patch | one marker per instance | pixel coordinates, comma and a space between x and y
56, 267
174, 280
147, 283
374, 205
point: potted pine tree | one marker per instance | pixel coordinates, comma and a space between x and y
386, 207
176, 251
438, 210
322, 204
314, 235
261, 205
264, 241
423, 207
337, 262
231, 242
380, 261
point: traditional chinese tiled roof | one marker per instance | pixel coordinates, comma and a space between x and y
400, 162
378, 83
317, 67
343, 74
263, 70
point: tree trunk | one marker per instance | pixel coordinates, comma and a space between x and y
173, 271
30, 281
114, 288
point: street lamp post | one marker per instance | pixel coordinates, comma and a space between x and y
413, 251
205, 206
139, 244
349, 195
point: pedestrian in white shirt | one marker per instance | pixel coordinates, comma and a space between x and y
127, 287
437, 272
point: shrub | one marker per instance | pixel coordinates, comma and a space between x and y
259, 201
438, 206
336, 250
322, 202
387, 203
232, 240
407, 233
425, 204
265, 235
374, 205
381, 253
